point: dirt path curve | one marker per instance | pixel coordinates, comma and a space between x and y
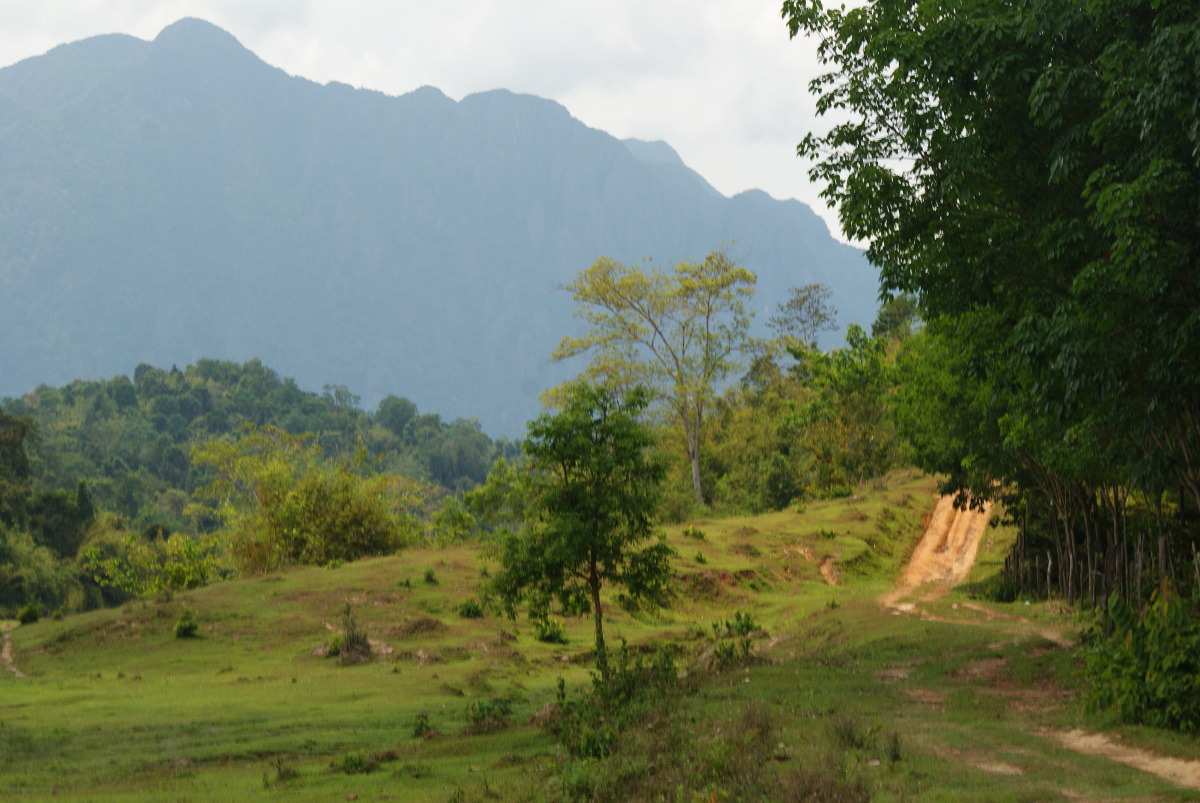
1176, 770
6, 658
944, 556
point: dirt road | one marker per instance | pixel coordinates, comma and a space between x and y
942, 559
945, 555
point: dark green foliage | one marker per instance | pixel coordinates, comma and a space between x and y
1147, 671
356, 764
898, 318
187, 625
144, 568
421, 726
131, 441
430, 576
281, 504
742, 624
488, 716
733, 641
29, 614
595, 490
470, 609
1028, 173
549, 631
31, 573
694, 532
501, 505
590, 725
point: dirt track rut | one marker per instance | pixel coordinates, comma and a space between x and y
943, 558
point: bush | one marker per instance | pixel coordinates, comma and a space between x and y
187, 626
430, 576
549, 631
589, 727
470, 609
32, 573
29, 614
694, 532
421, 726
701, 559
1148, 670
733, 639
484, 717
356, 764
742, 624
334, 647
355, 647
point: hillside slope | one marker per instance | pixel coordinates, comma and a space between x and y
163, 201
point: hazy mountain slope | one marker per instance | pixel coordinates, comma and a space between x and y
162, 201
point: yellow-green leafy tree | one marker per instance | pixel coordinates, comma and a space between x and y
680, 333
281, 504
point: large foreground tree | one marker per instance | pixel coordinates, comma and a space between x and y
679, 333
595, 488
1031, 171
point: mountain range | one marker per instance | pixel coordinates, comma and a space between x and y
180, 198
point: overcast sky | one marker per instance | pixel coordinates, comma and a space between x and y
718, 80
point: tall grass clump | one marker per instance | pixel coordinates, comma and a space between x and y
355, 646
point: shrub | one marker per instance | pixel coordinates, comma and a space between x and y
733, 639
29, 614
334, 647
1148, 670
484, 717
742, 624
589, 726
421, 726
356, 764
430, 576
694, 532
701, 559
470, 609
356, 647
549, 631
147, 569
187, 626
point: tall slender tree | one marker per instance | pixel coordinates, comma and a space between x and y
680, 333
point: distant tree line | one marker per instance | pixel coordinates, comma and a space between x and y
92, 462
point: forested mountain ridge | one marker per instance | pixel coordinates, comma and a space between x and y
176, 199
131, 441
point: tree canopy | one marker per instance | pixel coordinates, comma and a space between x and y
1034, 163
594, 492
1030, 171
679, 333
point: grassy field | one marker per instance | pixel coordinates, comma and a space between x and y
959, 700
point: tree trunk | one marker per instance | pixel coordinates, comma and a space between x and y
598, 618
692, 431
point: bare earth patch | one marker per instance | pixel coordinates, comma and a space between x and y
1175, 770
946, 552
6, 656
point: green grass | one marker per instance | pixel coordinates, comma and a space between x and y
116, 708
